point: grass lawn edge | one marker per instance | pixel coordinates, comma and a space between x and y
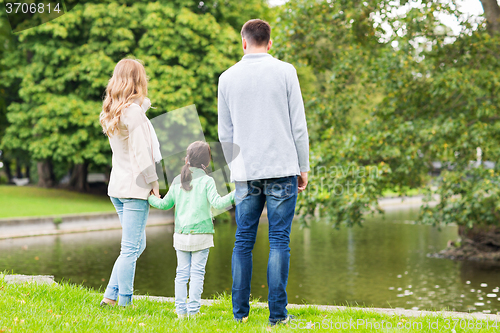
74, 308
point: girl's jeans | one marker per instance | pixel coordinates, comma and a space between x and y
190, 266
133, 214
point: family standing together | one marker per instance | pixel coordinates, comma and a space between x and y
262, 125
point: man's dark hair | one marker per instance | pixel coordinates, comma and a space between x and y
256, 32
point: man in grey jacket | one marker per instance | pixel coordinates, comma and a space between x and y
262, 126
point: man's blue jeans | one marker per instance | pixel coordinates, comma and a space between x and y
133, 214
281, 197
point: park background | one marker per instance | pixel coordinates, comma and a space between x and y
401, 97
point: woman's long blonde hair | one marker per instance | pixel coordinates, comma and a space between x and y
129, 82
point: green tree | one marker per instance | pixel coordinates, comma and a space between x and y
442, 105
336, 49
64, 65
457, 112
395, 103
8, 94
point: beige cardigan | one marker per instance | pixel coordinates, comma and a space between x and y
133, 170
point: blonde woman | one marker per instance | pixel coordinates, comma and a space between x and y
133, 174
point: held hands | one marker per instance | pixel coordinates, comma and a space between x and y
156, 189
302, 181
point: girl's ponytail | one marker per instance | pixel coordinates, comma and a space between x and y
186, 178
198, 156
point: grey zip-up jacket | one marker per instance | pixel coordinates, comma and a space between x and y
261, 113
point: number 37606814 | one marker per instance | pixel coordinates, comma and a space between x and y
25, 8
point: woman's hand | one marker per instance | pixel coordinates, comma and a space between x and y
156, 189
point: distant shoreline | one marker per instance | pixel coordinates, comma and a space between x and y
16, 227
72, 223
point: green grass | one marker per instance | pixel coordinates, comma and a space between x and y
394, 193
18, 201
73, 308
22, 201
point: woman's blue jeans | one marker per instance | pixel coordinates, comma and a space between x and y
281, 197
133, 214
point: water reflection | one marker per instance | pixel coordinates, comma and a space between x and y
382, 264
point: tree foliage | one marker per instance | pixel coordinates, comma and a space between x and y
389, 99
334, 47
388, 90
63, 67
443, 108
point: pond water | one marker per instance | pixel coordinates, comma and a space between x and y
385, 263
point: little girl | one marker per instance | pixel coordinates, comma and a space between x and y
192, 193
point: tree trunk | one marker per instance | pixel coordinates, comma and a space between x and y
78, 179
45, 174
19, 173
492, 14
484, 238
27, 172
8, 173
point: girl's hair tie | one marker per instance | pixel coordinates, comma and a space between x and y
204, 167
